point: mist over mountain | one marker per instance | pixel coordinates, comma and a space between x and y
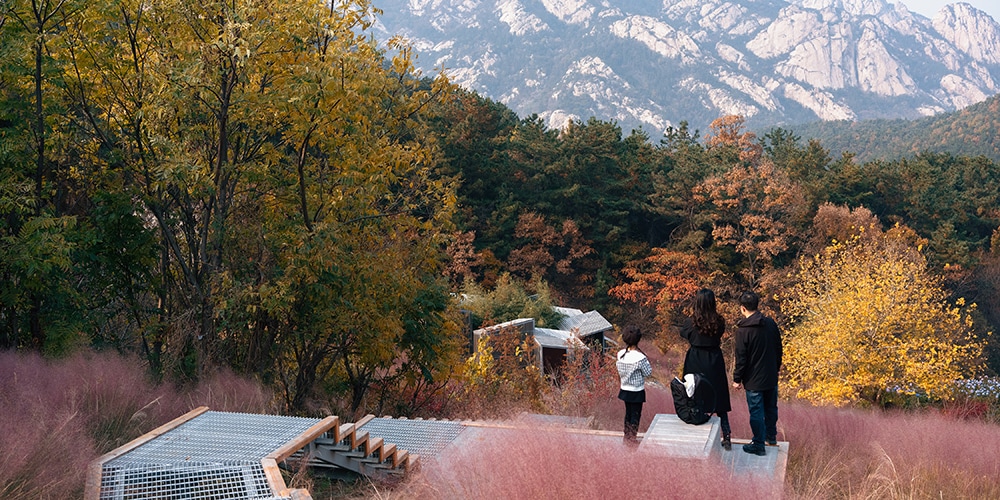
653, 64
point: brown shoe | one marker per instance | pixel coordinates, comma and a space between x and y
727, 444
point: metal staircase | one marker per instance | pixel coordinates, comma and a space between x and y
208, 455
350, 447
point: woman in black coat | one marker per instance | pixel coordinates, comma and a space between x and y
703, 331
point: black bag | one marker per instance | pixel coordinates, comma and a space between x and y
691, 410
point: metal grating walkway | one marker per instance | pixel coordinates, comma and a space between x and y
424, 437
203, 455
218, 437
220, 455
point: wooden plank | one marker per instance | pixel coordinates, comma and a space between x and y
399, 457
336, 429
364, 420
412, 463
274, 478
388, 450
358, 438
344, 431
308, 436
372, 445
570, 430
92, 488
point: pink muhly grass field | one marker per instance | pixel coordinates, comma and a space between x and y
833, 453
875, 454
526, 464
58, 416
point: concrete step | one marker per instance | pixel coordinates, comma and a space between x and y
669, 435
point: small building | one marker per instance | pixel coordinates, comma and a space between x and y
590, 327
577, 331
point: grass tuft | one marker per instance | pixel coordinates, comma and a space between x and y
60, 415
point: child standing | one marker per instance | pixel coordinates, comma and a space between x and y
633, 368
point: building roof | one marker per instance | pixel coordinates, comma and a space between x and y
547, 337
585, 324
574, 325
524, 325
567, 311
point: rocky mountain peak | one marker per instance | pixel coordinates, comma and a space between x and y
854, 8
971, 31
654, 63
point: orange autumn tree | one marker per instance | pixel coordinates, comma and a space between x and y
869, 319
840, 223
551, 253
756, 207
730, 132
463, 259
660, 284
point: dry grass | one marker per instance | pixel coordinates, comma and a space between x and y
520, 464
873, 454
58, 416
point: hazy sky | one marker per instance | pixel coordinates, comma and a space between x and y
930, 8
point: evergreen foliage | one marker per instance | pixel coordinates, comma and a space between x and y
972, 131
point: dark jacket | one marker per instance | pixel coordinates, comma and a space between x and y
705, 357
688, 408
758, 352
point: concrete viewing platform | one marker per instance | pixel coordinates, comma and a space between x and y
669, 436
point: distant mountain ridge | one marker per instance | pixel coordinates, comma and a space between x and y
972, 131
654, 64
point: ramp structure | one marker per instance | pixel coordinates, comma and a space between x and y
220, 455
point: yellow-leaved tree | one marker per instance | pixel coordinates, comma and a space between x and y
868, 319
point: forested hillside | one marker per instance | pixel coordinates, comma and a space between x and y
262, 187
973, 131
633, 227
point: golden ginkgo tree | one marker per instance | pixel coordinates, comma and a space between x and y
868, 318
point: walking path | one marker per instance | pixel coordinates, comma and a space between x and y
237, 455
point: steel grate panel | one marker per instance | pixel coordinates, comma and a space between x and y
219, 437
426, 438
216, 455
193, 481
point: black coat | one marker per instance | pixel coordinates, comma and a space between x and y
705, 357
758, 353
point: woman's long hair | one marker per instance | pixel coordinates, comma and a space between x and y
706, 319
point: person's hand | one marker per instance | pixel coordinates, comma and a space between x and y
738, 386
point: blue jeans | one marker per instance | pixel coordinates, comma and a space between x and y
763, 407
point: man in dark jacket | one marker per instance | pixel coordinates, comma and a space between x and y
758, 359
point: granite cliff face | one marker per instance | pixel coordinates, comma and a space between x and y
652, 64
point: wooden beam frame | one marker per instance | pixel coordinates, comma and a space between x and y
270, 463
92, 489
